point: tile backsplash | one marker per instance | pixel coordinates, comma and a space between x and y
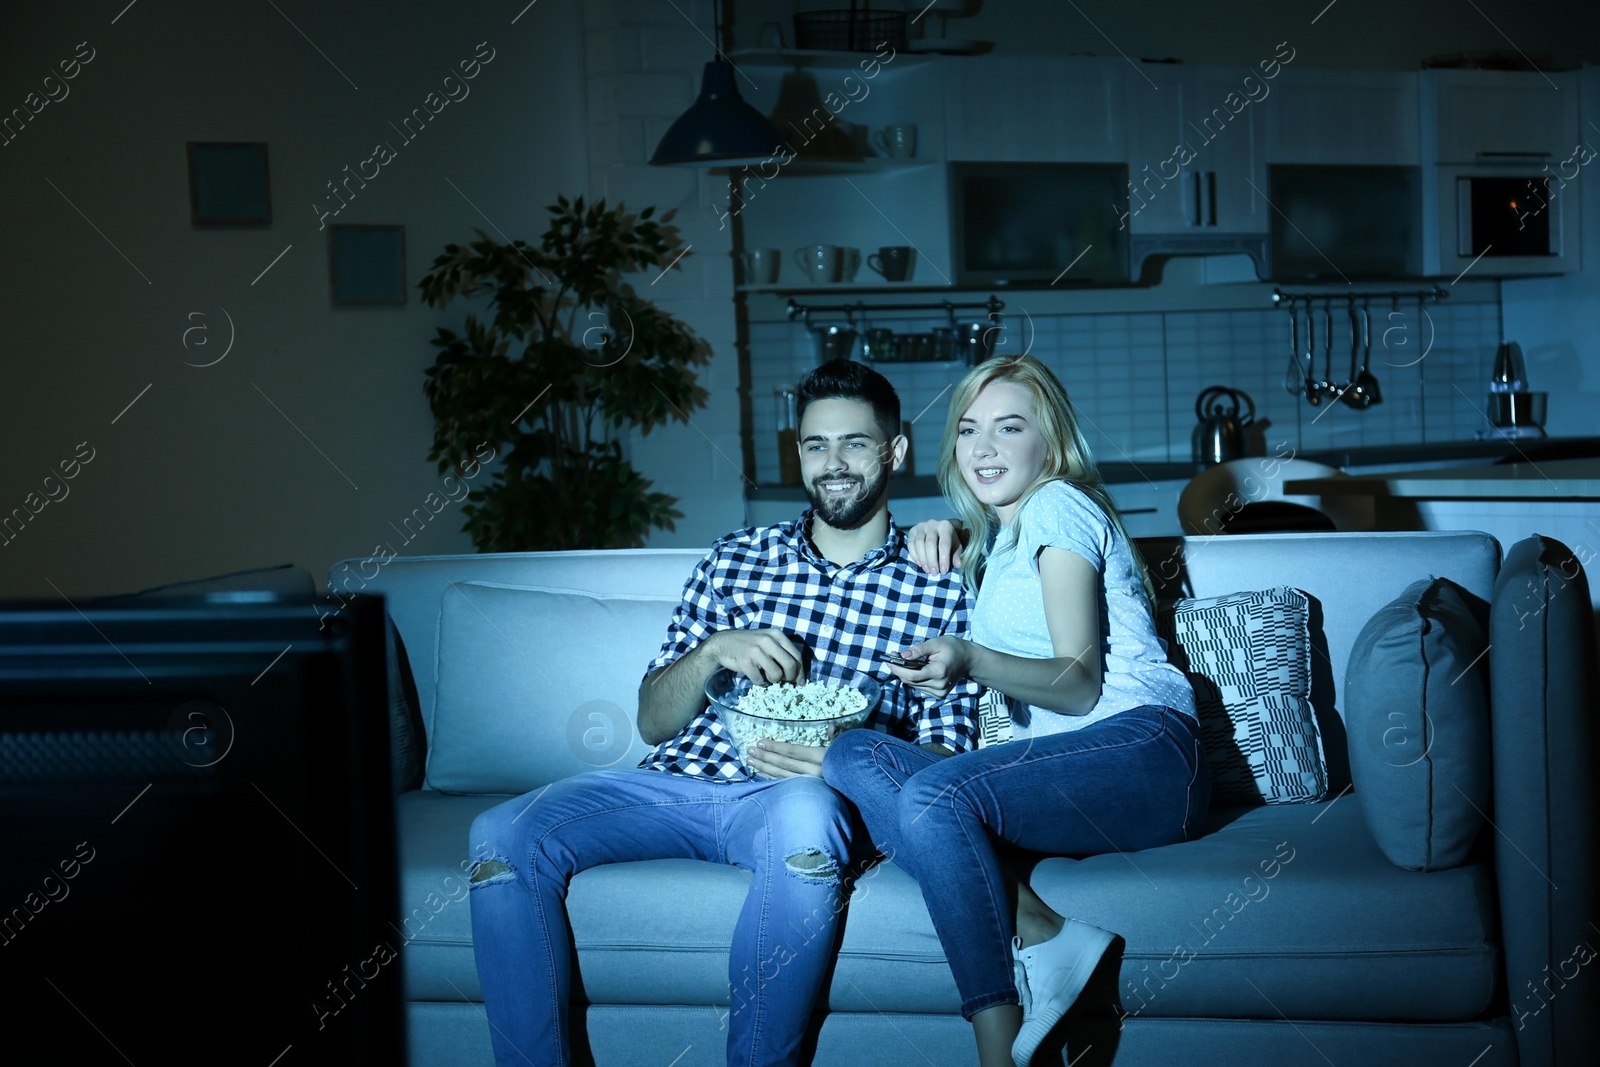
1134, 377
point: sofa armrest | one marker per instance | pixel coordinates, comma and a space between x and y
1546, 813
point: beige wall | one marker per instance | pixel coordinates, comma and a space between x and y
310, 438
308, 442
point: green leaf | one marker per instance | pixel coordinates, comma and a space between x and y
557, 361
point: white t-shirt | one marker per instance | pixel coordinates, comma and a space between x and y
1009, 614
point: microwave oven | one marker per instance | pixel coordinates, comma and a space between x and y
1043, 224
1334, 223
1503, 220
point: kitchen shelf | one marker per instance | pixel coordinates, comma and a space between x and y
800, 165
822, 59
875, 288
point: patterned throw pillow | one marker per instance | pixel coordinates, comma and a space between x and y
1248, 656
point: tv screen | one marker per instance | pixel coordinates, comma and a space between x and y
199, 858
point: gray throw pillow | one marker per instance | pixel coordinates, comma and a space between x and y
1417, 715
1248, 657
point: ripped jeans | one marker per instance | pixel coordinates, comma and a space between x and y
791, 834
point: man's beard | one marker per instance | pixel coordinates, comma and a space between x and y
850, 512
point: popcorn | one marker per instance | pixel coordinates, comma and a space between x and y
811, 714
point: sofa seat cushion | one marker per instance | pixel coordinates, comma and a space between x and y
627, 922
1289, 909
1293, 902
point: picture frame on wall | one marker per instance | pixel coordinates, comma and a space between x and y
229, 183
366, 264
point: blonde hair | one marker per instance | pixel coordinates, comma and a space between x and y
1067, 458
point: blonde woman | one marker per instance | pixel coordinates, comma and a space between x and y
1091, 745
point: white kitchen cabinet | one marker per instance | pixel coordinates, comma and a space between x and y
1036, 109
1488, 116
1195, 160
1342, 117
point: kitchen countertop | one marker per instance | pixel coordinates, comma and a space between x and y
1122, 473
1551, 480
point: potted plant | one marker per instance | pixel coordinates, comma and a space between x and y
567, 360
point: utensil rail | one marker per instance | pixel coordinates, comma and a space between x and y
993, 306
1434, 294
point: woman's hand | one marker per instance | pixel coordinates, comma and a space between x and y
941, 664
935, 544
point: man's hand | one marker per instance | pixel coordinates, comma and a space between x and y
944, 663
935, 545
763, 656
673, 695
779, 759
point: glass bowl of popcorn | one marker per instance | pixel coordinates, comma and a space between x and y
830, 701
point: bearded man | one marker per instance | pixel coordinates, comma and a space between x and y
836, 588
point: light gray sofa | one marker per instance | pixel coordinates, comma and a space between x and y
1336, 956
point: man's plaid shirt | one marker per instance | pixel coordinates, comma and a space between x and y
772, 577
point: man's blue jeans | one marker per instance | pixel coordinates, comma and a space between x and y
791, 834
1133, 781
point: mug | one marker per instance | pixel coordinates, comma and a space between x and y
897, 140
761, 265
893, 262
821, 263
849, 263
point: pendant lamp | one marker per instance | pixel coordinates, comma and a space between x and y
719, 127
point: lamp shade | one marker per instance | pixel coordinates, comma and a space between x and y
719, 127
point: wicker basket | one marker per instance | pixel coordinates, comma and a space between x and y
843, 30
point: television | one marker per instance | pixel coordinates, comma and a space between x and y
199, 852
1039, 224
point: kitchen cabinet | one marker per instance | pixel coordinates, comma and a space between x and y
1489, 116
1343, 117
1067, 110
1195, 162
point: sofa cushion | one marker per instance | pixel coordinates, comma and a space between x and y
1287, 910
1280, 900
1417, 713
1248, 656
534, 685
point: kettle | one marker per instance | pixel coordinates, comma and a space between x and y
1220, 436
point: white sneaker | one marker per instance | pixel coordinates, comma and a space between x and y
1055, 972
1020, 974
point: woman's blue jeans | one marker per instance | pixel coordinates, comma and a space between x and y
791, 834
1132, 781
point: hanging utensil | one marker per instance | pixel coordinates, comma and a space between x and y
1364, 391
1313, 394
1293, 379
1347, 393
1325, 384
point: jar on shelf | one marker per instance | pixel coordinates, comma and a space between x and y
788, 437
